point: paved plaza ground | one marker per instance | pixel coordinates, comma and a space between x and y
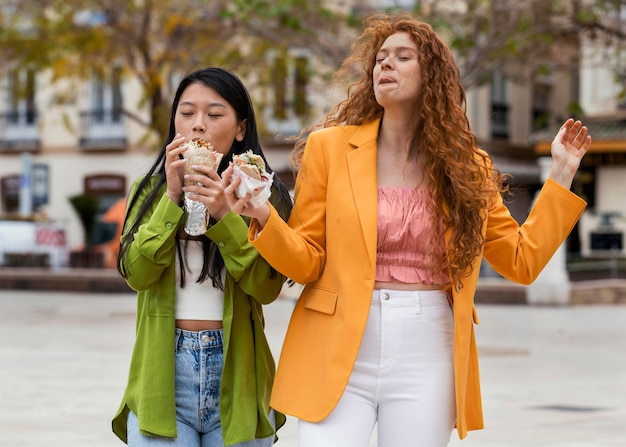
551, 376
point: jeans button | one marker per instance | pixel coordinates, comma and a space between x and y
205, 338
385, 296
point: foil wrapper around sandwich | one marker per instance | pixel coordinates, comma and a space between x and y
197, 217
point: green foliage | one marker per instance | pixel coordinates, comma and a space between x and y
521, 38
575, 109
586, 15
157, 42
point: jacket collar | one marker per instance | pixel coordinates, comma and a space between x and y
366, 134
362, 173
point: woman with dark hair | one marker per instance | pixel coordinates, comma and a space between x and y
395, 206
201, 369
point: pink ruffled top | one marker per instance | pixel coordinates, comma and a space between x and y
403, 233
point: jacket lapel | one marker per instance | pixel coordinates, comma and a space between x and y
362, 172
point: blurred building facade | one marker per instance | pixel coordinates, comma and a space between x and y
84, 145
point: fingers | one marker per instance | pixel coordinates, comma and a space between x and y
212, 189
202, 172
227, 176
229, 190
241, 206
586, 144
175, 148
174, 167
573, 133
173, 152
202, 184
238, 205
177, 163
568, 130
576, 133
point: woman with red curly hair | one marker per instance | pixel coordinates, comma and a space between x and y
395, 206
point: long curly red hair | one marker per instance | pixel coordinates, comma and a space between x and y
461, 175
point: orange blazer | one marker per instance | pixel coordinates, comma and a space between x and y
329, 245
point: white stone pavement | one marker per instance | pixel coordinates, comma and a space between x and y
552, 376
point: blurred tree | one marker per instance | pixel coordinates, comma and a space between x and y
156, 41
523, 39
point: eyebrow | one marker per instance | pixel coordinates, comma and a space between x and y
211, 104
384, 50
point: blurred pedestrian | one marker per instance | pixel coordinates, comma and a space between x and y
201, 369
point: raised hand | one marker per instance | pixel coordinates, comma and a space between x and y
175, 168
568, 148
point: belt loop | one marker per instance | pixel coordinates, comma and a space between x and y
177, 339
418, 303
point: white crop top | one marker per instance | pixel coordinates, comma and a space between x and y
196, 301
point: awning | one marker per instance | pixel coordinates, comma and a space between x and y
608, 135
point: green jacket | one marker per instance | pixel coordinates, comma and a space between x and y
249, 367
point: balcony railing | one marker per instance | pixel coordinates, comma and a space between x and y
102, 129
19, 131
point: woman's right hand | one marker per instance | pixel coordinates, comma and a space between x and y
242, 205
175, 168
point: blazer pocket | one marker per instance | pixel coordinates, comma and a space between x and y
475, 315
160, 302
321, 300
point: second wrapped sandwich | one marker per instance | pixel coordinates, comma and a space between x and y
255, 179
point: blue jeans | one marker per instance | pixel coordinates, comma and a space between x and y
199, 363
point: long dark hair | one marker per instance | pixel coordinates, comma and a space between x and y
230, 87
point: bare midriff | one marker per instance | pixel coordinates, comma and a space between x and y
199, 325
396, 285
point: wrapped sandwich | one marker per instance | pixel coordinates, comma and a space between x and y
255, 180
198, 153
201, 153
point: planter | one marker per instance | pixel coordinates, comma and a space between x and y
27, 260
86, 259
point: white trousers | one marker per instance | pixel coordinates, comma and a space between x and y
403, 378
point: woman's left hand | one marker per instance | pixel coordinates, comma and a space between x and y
207, 188
569, 146
242, 205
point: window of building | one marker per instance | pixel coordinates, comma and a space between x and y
541, 103
102, 124
20, 93
499, 107
288, 102
301, 79
279, 78
18, 110
106, 96
10, 193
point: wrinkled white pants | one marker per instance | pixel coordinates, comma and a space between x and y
403, 379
